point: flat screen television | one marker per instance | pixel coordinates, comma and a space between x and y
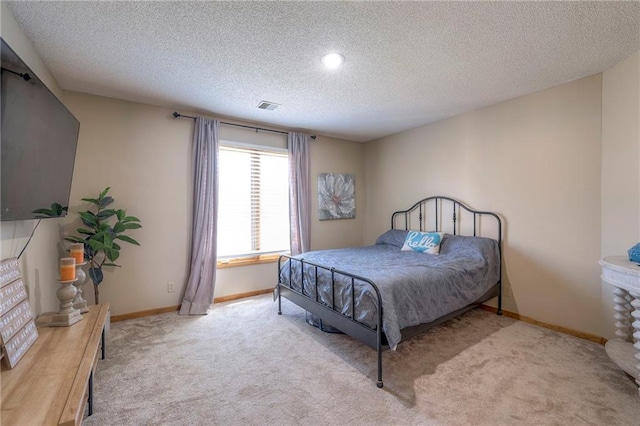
38, 138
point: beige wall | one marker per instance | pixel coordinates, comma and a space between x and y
621, 156
620, 165
337, 156
39, 262
536, 161
144, 155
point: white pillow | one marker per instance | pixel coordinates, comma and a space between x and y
423, 242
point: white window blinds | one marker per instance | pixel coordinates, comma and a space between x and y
253, 208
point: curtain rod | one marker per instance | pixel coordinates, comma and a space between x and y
176, 114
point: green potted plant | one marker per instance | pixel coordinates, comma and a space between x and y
103, 228
56, 210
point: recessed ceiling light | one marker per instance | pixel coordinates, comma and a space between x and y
332, 60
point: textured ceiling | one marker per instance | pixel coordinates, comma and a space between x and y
407, 63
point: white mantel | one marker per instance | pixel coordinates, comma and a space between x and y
624, 275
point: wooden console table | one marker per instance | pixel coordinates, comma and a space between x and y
54, 380
624, 350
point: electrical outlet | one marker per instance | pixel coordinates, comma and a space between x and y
171, 287
506, 291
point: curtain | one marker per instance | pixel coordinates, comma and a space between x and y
299, 192
202, 272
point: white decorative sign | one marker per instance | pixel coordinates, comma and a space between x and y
20, 344
17, 329
11, 295
14, 320
9, 271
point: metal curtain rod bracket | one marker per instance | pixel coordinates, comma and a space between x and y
25, 76
176, 114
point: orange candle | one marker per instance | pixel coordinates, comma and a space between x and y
67, 269
77, 252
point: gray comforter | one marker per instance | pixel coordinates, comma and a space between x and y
416, 288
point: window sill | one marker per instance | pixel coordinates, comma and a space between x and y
246, 261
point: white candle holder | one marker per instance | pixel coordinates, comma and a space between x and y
67, 315
81, 277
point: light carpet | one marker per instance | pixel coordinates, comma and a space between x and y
242, 364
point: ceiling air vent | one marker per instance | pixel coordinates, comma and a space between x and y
270, 106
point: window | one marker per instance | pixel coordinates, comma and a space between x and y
253, 202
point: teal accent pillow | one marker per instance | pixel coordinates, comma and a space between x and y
423, 242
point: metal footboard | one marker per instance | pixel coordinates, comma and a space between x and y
347, 323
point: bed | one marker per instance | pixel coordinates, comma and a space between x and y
387, 293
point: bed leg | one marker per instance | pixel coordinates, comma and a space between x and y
500, 301
277, 289
379, 382
379, 339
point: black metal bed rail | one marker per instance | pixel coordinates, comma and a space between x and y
344, 322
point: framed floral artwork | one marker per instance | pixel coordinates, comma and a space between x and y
336, 196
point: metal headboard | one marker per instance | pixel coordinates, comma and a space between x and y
442, 207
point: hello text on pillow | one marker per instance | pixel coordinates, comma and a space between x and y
423, 242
